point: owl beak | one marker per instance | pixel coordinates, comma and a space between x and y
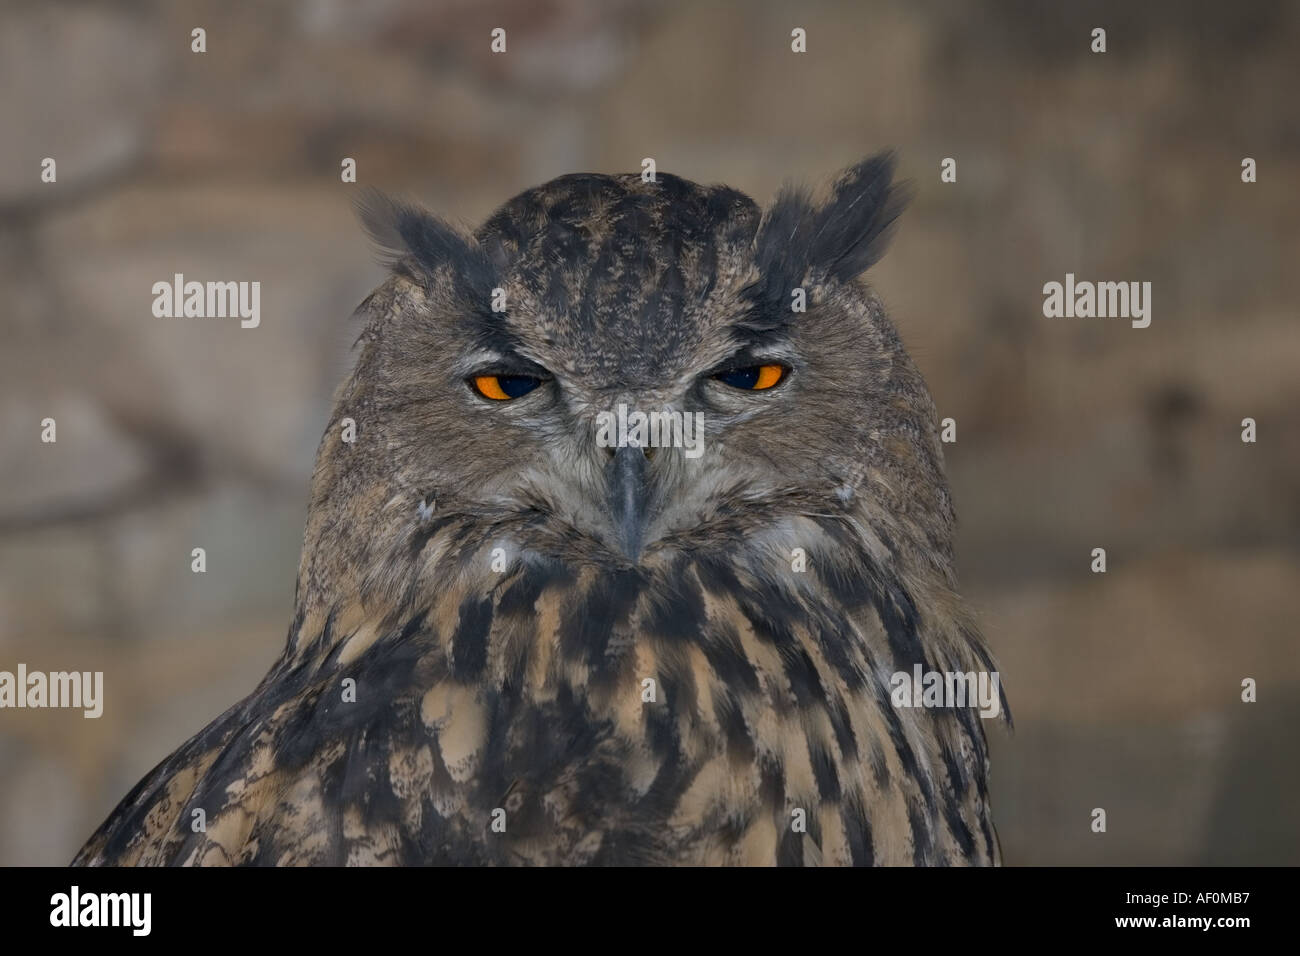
628, 499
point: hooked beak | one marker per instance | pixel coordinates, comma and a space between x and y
629, 495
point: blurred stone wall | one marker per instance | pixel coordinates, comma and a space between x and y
1072, 434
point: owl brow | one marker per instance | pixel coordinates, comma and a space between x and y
497, 362
759, 343
762, 320
755, 353
513, 365
490, 333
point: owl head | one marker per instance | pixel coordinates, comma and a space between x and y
502, 374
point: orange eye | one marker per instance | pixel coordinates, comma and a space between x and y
755, 378
502, 388
769, 375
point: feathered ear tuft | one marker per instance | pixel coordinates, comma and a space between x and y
840, 238
404, 231
854, 226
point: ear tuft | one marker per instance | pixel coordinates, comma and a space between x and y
840, 238
855, 225
403, 230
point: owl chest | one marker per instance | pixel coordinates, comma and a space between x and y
675, 749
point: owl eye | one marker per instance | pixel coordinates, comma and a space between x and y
502, 388
754, 378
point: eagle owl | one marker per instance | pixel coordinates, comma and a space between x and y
516, 644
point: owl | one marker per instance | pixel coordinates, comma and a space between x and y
523, 636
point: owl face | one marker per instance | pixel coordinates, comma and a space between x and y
510, 373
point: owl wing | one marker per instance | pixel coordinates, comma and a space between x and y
388, 760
